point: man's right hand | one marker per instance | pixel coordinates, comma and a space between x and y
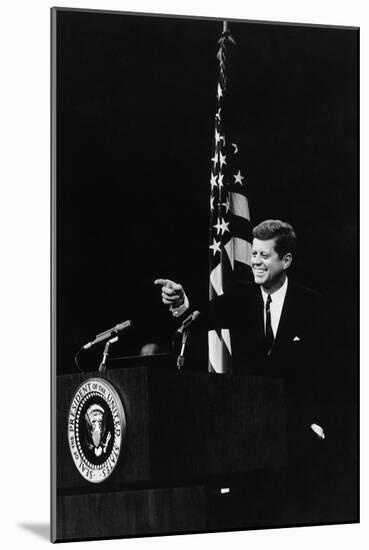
172, 294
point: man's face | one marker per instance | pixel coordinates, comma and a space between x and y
268, 268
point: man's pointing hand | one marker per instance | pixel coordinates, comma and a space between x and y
172, 294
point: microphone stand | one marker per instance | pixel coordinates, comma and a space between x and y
102, 366
184, 330
181, 357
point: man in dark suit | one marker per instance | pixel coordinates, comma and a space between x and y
277, 326
277, 331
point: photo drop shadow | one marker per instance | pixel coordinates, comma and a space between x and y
42, 530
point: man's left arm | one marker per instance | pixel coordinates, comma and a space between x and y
318, 363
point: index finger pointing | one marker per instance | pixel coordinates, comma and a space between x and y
162, 282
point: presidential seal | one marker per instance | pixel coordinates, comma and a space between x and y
96, 429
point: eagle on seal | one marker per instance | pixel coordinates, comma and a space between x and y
96, 428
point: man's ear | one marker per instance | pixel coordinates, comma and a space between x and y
287, 260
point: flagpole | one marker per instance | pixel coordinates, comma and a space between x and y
229, 252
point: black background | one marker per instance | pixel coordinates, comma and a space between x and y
136, 98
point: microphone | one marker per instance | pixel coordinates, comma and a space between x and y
188, 321
107, 334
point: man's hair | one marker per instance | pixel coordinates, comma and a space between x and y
282, 232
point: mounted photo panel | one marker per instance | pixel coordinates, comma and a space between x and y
204, 274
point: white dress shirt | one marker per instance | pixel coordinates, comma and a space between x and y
276, 305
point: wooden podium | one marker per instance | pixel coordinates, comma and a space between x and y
185, 432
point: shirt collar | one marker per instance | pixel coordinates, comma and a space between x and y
278, 296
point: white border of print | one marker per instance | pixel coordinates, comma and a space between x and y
25, 183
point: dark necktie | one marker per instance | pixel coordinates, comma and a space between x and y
269, 337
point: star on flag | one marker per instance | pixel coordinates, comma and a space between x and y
215, 246
227, 205
222, 159
221, 226
218, 226
238, 178
224, 226
215, 159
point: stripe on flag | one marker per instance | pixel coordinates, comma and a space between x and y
240, 205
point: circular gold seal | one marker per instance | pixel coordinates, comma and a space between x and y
96, 429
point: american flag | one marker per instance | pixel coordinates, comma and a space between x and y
230, 231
